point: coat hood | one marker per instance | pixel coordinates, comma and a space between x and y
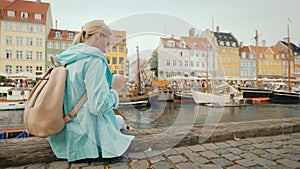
78, 52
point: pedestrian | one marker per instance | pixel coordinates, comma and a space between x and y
94, 131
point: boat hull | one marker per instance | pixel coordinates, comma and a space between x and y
285, 97
12, 104
181, 97
256, 93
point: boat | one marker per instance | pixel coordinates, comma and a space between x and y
288, 95
256, 92
13, 133
219, 94
12, 98
139, 96
183, 97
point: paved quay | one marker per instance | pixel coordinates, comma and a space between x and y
275, 152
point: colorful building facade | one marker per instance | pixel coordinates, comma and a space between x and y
58, 41
116, 53
25, 26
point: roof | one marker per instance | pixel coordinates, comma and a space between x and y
294, 48
201, 43
18, 6
245, 49
226, 39
64, 33
259, 49
115, 34
165, 40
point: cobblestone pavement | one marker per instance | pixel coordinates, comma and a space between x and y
276, 152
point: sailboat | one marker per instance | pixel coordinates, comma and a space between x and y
288, 96
256, 93
220, 94
138, 97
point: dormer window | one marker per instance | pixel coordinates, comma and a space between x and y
57, 34
24, 15
233, 44
38, 16
11, 13
119, 39
194, 45
221, 43
170, 43
227, 43
182, 45
70, 35
243, 55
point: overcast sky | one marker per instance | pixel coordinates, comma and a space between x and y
145, 21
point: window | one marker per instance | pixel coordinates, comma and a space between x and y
24, 15
233, 44
8, 69
227, 43
121, 60
39, 68
168, 63
29, 41
180, 63
39, 42
8, 40
119, 39
38, 16
182, 45
18, 69
108, 60
11, 13
71, 35
29, 27
192, 63
19, 40
121, 48
170, 43
29, 69
221, 43
57, 34
63, 45
114, 48
29, 55
19, 27
19, 54
9, 26
186, 63
8, 54
260, 55
39, 55
56, 45
174, 62
69, 44
197, 63
114, 60
49, 45
39, 28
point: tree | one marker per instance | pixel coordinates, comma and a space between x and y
154, 62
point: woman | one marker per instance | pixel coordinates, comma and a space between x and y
95, 128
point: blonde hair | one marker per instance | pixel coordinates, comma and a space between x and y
89, 29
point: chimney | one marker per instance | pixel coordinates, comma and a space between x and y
241, 44
172, 37
38, 0
285, 39
263, 43
218, 29
192, 32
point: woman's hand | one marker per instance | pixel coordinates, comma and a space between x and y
118, 82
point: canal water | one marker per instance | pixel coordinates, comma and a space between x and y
165, 114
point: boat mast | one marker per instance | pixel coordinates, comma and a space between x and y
289, 59
206, 79
256, 53
138, 78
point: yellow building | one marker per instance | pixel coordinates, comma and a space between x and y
227, 49
269, 63
24, 29
117, 52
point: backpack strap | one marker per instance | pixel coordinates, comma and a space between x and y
71, 115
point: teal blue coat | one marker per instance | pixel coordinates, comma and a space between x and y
95, 128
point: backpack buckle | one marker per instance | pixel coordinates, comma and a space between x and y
68, 117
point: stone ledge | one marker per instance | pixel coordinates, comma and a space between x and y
16, 152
